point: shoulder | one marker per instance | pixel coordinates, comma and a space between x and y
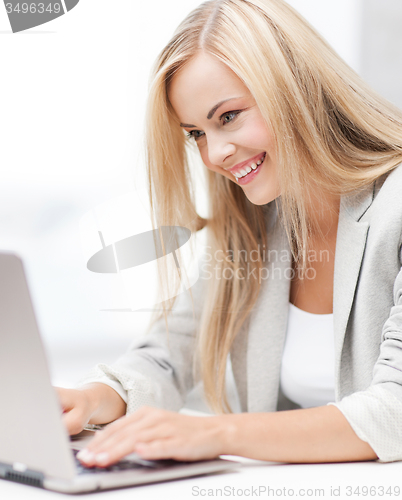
390, 186
385, 217
387, 197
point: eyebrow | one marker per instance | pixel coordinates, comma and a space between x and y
211, 113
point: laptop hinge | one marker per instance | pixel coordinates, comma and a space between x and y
21, 474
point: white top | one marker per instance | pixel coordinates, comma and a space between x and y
307, 371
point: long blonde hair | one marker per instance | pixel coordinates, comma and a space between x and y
333, 134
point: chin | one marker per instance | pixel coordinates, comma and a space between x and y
260, 198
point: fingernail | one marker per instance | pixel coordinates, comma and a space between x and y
82, 453
102, 458
85, 455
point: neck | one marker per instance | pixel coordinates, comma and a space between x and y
323, 211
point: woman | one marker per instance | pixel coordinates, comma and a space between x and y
302, 162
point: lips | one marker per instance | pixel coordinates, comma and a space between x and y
242, 168
250, 176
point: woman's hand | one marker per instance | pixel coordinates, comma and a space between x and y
77, 408
94, 403
154, 434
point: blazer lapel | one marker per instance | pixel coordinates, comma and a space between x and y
268, 323
350, 245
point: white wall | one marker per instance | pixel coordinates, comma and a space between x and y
339, 22
381, 61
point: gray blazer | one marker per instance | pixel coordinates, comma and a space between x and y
367, 311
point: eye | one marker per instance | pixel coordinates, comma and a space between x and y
195, 134
229, 116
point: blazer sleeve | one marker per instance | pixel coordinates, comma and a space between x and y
375, 414
157, 368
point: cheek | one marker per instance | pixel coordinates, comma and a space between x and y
257, 135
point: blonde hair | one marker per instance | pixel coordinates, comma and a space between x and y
333, 134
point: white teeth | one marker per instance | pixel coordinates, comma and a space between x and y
244, 171
239, 175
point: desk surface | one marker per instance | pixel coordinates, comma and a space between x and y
253, 480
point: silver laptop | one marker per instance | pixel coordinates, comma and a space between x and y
35, 448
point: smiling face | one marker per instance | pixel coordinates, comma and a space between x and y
219, 112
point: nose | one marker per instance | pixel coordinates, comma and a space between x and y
219, 149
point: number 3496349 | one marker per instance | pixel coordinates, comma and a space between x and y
33, 8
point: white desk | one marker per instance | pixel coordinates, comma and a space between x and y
248, 481
299, 481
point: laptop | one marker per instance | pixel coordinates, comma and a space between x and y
35, 448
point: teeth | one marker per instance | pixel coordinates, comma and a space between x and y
239, 175
244, 171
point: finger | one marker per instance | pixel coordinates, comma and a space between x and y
117, 446
103, 439
128, 430
117, 425
176, 449
123, 428
131, 434
106, 457
64, 397
159, 449
105, 442
73, 421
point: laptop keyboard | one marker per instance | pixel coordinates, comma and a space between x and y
122, 465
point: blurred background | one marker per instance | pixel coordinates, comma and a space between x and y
72, 101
